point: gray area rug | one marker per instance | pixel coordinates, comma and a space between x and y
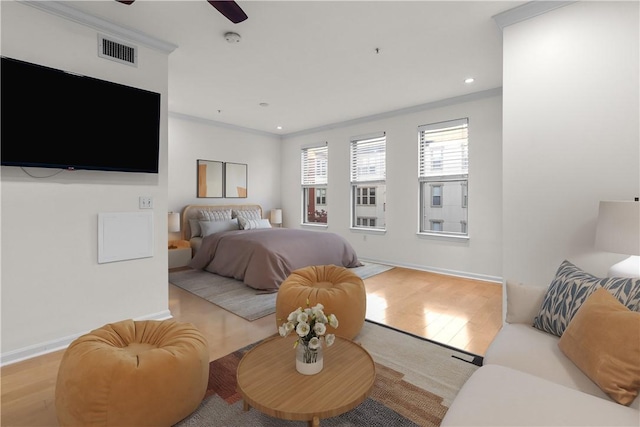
238, 298
416, 381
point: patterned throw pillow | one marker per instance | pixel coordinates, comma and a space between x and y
571, 287
247, 214
215, 214
253, 224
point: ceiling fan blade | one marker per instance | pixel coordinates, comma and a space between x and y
125, 1
230, 9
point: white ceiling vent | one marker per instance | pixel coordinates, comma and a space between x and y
117, 51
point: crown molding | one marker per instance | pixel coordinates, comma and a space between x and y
526, 11
416, 108
100, 24
408, 110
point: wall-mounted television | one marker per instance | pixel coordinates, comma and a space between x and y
51, 118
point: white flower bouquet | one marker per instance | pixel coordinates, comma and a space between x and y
310, 324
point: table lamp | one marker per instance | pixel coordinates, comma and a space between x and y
618, 231
276, 217
173, 224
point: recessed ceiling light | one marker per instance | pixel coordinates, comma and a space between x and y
469, 80
279, 127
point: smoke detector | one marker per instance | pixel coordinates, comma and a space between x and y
232, 37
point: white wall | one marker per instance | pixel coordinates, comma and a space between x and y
53, 289
191, 139
570, 136
479, 257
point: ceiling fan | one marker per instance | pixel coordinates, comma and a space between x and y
228, 8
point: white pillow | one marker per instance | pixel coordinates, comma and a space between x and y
211, 227
253, 224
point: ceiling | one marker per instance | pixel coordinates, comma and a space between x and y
317, 63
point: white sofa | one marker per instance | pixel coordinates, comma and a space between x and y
526, 380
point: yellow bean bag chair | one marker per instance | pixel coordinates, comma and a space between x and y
132, 373
338, 289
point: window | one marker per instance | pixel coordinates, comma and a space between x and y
436, 195
314, 184
368, 181
443, 177
365, 222
366, 196
436, 224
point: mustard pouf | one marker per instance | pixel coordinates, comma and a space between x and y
133, 373
338, 289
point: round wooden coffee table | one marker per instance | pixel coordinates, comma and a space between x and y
268, 380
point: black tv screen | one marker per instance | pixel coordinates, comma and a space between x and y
55, 119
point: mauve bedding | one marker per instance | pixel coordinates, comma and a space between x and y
263, 258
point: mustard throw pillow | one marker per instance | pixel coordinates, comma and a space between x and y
603, 340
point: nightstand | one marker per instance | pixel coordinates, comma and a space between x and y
179, 257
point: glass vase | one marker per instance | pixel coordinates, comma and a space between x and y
308, 361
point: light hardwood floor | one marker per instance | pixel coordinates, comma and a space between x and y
459, 312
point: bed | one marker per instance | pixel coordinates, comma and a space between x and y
235, 241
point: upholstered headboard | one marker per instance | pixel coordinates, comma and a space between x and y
193, 212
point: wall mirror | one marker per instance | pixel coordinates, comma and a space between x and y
235, 179
210, 178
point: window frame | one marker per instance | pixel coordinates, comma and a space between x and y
314, 177
368, 171
445, 145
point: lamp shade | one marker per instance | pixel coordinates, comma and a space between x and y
619, 227
276, 216
174, 222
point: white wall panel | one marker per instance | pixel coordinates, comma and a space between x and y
571, 134
52, 285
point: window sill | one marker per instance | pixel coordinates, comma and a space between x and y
314, 225
368, 230
440, 236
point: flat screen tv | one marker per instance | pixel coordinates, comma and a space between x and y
55, 119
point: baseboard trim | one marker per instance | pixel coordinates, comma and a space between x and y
464, 274
36, 350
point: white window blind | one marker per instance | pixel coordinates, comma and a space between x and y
444, 149
315, 165
368, 158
